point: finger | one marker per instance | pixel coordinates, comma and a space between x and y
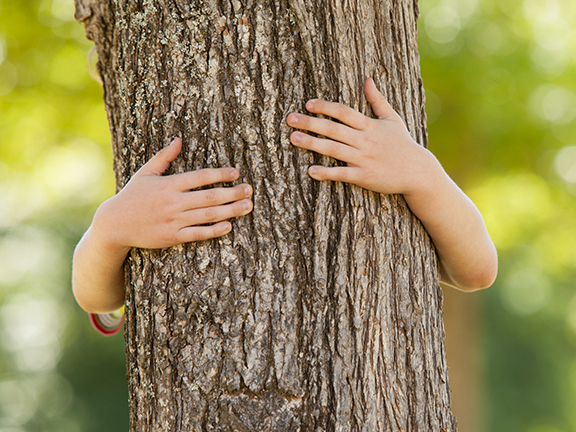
345, 114
379, 104
217, 213
334, 149
342, 174
161, 160
216, 196
204, 177
321, 126
198, 233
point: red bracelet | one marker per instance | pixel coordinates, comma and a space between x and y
108, 324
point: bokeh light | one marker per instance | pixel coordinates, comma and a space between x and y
554, 103
527, 291
565, 163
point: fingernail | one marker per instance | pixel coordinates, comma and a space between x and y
234, 173
309, 105
312, 171
296, 137
227, 227
248, 190
292, 119
246, 205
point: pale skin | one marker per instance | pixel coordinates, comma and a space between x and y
155, 211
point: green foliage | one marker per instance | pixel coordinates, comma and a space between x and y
56, 374
501, 108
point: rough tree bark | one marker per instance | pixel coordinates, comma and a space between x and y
322, 309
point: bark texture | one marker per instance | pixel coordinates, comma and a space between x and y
321, 311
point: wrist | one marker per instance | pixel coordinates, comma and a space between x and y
427, 176
104, 231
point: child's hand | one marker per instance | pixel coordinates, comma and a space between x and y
154, 211
380, 153
382, 156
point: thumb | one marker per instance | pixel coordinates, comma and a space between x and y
160, 161
380, 105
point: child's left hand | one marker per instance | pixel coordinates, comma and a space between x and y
380, 153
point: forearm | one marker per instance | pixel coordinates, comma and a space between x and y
468, 258
98, 274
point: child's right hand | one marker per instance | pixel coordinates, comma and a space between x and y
382, 156
155, 211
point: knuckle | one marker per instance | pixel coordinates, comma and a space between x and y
164, 185
210, 196
215, 231
331, 128
194, 236
202, 177
332, 148
170, 219
234, 210
229, 211
313, 142
220, 175
341, 174
172, 209
209, 214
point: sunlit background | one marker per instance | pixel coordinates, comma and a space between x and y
500, 84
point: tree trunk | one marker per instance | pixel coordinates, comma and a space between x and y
464, 357
322, 309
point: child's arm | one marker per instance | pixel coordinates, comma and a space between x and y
382, 156
152, 211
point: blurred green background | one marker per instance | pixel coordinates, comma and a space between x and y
499, 78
